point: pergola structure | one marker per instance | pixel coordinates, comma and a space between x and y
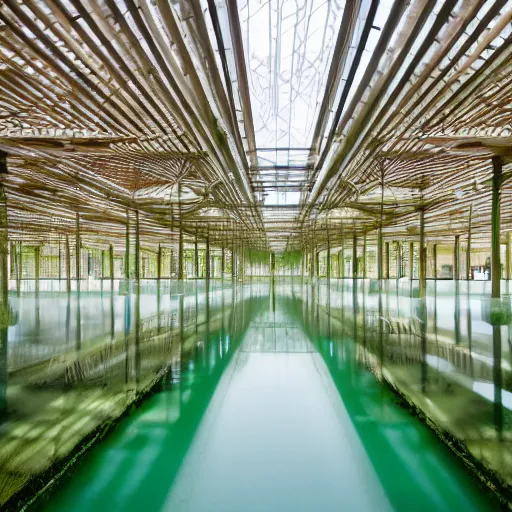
257, 126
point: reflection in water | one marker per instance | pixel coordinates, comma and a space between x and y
266, 400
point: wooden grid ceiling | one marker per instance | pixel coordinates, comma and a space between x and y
111, 106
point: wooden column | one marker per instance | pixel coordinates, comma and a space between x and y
127, 248
365, 271
456, 258
180, 255
434, 257
78, 246
380, 241
137, 246
159, 262
398, 260
497, 165
468, 248
68, 265
60, 263
328, 258
196, 257
380, 255
103, 263
222, 263
19, 269
387, 260
423, 257
111, 264
37, 261
342, 256
207, 258
354, 256
411, 260
4, 296
241, 269
508, 259
233, 263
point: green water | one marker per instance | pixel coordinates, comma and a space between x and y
272, 412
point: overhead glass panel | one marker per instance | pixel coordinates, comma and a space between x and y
288, 50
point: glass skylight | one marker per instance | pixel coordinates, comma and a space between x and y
288, 48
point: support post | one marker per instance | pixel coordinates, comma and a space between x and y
60, 263
19, 269
222, 263
497, 178
241, 271
398, 260
328, 258
365, 272
180, 238
387, 260
434, 257
508, 259
111, 264
137, 247
103, 264
423, 258
354, 256
68, 265
468, 249
196, 257
78, 246
380, 265
456, 258
159, 262
180, 255
342, 256
233, 263
4, 294
411, 260
127, 248
207, 258
37, 261
380, 242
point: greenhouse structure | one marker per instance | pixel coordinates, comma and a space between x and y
255, 255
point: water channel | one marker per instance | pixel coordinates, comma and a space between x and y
264, 397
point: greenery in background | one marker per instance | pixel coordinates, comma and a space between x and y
256, 256
289, 259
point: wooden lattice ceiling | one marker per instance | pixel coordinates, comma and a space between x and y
108, 106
